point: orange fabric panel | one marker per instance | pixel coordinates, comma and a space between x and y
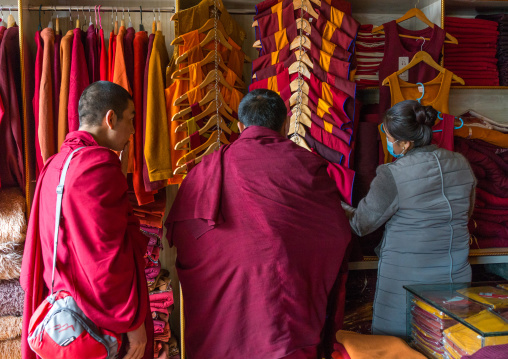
329, 30
361, 346
195, 95
326, 94
323, 107
120, 72
278, 9
491, 136
46, 121
65, 64
437, 91
328, 126
281, 39
336, 17
327, 49
157, 139
190, 40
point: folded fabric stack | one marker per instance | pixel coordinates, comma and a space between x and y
460, 340
150, 214
152, 264
321, 49
474, 58
502, 45
360, 346
369, 54
428, 323
160, 292
12, 237
161, 305
487, 154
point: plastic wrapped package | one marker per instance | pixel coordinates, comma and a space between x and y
452, 350
427, 351
431, 321
433, 345
494, 297
464, 339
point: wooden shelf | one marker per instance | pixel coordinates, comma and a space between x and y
472, 7
480, 87
453, 88
474, 258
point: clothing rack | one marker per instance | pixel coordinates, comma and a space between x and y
167, 9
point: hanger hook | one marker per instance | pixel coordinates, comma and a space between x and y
100, 17
129, 12
116, 14
10, 10
423, 92
417, 3
123, 13
2, 11
159, 14
153, 14
141, 13
423, 43
70, 14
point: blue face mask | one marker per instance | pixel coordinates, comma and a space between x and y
389, 147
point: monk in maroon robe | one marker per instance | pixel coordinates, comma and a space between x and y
100, 249
260, 240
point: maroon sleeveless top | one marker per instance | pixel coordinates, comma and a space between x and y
396, 47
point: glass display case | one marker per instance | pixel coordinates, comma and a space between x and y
452, 320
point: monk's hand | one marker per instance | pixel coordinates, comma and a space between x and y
124, 159
137, 343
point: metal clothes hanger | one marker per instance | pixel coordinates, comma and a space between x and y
39, 28
116, 22
50, 23
100, 16
122, 22
154, 23
130, 21
2, 22
159, 25
57, 22
141, 27
70, 17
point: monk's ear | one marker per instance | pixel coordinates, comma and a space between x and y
241, 127
110, 119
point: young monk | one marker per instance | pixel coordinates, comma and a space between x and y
100, 249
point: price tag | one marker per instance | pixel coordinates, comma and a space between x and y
403, 61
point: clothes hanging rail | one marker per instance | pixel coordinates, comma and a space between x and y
168, 9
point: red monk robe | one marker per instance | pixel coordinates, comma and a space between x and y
261, 238
100, 249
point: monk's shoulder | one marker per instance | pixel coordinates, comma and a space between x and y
97, 157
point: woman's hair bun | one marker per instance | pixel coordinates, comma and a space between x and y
425, 115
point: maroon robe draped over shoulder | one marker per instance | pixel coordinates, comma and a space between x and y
100, 249
261, 237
